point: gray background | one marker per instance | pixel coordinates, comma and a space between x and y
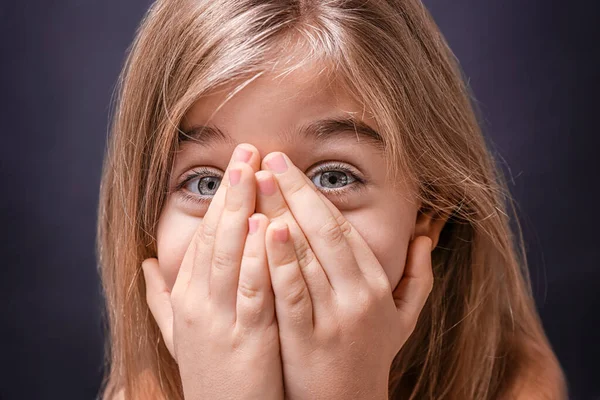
532, 65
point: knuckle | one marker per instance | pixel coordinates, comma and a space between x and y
331, 232
344, 224
296, 187
252, 257
365, 301
278, 211
285, 260
359, 306
255, 310
207, 233
249, 290
304, 254
223, 261
382, 288
296, 296
379, 280
189, 316
250, 314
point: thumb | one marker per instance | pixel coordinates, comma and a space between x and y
158, 297
417, 281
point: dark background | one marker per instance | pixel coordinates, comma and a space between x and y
532, 65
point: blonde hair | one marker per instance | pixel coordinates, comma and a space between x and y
472, 338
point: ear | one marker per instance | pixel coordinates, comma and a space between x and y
429, 223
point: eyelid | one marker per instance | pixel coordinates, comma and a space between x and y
332, 165
195, 173
185, 195
335, 165
315, 168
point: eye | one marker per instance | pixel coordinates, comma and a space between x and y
204, 185
332, 179
335, 178
200, 185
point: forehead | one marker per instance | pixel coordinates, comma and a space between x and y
275, 105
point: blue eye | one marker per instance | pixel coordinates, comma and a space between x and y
200, 185
335, 178
203, 185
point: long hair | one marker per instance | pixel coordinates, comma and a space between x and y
472, 338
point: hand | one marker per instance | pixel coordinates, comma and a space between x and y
340, 325
219, 320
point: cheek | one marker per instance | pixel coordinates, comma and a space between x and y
388, 233
174, 234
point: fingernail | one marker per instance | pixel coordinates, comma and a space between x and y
277, 164
252, 225
266, 186
281, 234
234, 176
241, 154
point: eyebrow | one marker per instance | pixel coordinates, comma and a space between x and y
320, 131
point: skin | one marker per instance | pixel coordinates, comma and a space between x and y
302, 314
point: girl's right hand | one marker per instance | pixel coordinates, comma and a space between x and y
218, 322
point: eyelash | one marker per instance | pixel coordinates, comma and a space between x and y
202, 172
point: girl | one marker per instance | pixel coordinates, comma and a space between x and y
297, 201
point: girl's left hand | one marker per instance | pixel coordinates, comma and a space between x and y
340, 324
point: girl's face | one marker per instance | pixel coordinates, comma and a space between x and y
270, 114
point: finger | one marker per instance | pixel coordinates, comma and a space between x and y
417, 281
325, 234
158, 298
366, 259
293, 304
270, 202
201, 248
231, 237
255, 303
